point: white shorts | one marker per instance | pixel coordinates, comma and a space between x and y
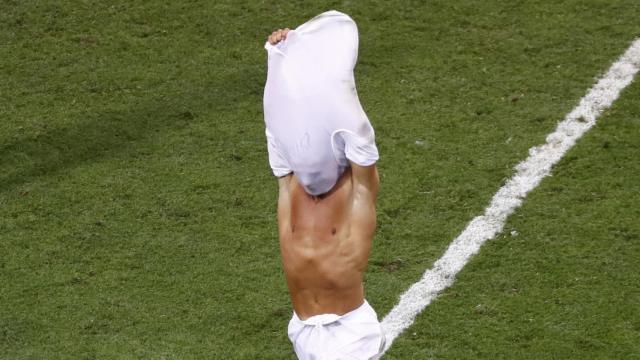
355, 335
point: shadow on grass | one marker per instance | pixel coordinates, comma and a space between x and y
114, 132
105, 134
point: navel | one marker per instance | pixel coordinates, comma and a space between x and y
333, 231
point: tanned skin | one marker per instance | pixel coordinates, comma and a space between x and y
325, 241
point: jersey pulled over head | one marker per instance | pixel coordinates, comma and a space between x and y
314, 120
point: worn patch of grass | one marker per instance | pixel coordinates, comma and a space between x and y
137, 207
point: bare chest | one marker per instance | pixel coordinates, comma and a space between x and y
322, 217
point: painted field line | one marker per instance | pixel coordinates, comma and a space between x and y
528, 175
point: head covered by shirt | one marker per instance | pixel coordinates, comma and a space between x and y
314, 120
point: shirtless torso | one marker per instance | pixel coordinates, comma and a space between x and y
325, 241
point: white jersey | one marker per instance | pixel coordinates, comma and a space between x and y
314, 120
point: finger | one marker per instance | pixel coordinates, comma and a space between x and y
285, 32
272, 38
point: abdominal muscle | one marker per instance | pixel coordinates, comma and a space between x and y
324, 256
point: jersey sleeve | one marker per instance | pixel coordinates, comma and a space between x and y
362, 150
279, 164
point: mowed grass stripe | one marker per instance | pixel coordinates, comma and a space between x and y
528, 175
561, 280
137, 215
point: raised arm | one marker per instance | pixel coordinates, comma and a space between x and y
365, 180
284, 203
365, 192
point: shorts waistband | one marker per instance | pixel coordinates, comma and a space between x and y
363, 311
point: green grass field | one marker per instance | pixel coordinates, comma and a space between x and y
137, 207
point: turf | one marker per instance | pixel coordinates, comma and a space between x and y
571, 291
137, 210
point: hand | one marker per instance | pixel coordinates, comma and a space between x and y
278, 36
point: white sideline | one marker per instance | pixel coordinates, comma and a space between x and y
510, 196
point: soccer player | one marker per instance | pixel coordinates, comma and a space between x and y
322, 149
